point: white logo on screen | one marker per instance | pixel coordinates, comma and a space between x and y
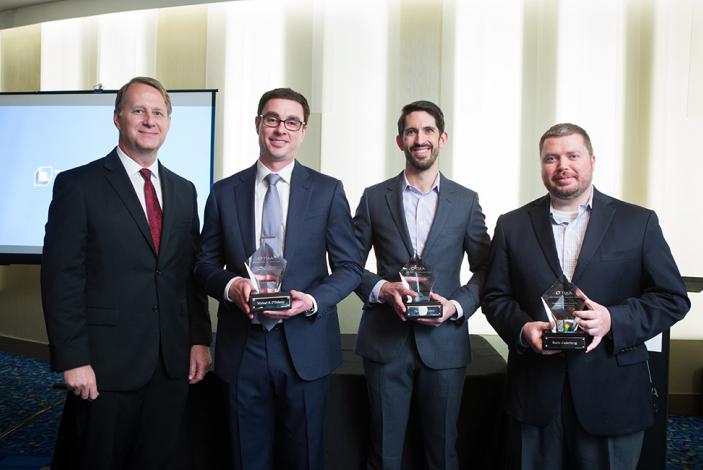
43, 175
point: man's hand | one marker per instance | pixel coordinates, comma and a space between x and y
300, 302
448, 311
239, 292
532, 336
392, 294
200, 361
81, 381
594, 320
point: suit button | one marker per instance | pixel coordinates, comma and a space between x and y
158, 272
154, 308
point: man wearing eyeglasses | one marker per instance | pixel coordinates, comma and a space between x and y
275, 364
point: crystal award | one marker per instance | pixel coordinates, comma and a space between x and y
560, 301
417, 276
266, 270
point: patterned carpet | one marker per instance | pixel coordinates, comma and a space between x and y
30, 411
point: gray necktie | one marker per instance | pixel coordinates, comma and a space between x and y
272, 217
271, 221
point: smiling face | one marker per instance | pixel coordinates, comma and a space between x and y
142, 120
421, 140
567, 169
277, 145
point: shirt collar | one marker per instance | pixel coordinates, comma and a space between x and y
407, 185
285, 173
582, 207
133, 167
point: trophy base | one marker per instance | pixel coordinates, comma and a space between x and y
423, 310
564, 341
269, 301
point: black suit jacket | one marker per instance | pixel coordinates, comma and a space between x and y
458, 228
109, 300
624, 264
318, 230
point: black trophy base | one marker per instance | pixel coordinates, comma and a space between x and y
564, 341
428, 309
270, 301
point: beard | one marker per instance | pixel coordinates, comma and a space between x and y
567, 194
421, 166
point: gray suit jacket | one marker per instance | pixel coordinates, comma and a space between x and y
459, 227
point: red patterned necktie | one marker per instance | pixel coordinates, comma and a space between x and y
153, 209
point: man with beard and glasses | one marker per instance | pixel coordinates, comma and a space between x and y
580, 409
419, 212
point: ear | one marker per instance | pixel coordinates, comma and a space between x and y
399, 142
115, 119
443, 138
257, 121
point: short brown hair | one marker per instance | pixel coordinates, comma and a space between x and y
563, 129
285, 94
152, 82
426, 106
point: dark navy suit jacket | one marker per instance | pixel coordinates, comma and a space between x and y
318, 230
624, 264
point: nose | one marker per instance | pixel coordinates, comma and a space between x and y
148, 119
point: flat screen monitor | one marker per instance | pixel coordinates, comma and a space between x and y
44, 133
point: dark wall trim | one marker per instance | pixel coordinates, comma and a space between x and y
24, 347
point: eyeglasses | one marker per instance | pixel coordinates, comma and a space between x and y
291, 124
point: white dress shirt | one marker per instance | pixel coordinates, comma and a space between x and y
136, 179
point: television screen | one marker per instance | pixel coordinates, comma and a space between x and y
43, 134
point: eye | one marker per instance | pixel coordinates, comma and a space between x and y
429, 130
271, 120
138, 111
410, 132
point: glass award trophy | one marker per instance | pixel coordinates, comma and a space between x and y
266, 270
416, 276
560, 301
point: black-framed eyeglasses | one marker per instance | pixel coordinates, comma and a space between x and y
271, 120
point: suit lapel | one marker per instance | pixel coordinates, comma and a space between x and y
244, 202
444, 208
168, 207
298, 200
602, 214
542, 225
119, 180
394, 199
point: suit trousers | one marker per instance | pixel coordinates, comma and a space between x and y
436, 394
137, 429
275, 418
563, 443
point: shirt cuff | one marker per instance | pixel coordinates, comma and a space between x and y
313, 311
375, 292
227, 286
459, 311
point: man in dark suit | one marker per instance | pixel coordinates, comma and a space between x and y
275, 364
419, 212
580, 409
127, 323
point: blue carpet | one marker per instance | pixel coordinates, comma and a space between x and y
30, 411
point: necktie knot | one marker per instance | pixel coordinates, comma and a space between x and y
146, 173
272, 179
